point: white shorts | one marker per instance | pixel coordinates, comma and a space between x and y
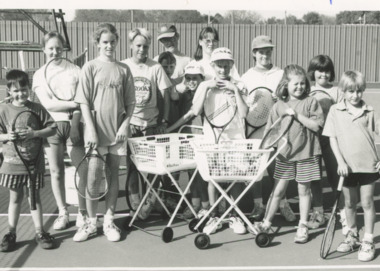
119, 149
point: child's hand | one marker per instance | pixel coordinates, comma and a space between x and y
211, 84
11, 136
92, 140
290, 111
121, 135
27, 133
225, 84
342, 169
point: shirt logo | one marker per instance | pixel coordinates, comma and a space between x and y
143, 89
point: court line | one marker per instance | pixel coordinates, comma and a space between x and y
227, 268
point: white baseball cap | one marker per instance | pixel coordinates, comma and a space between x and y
194, 68
221, 53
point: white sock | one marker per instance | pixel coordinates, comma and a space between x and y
267, 224
108, 219
63, 211
368, 237
92, 220
302, 223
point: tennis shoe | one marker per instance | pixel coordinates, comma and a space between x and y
45, 240
9, 242
287, 212
202, 212
188, 214
302, 234
366, 251
258, 212
147, 208
350, 243
62, 222
212, 226
84, 232
259, 227
237, 225
317, 219
112, 232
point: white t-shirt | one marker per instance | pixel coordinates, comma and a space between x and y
236, 128
149, 77
254, 78
210, 72
64, 84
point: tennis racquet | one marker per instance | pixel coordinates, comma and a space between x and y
277, 130
96, 185
331, 225
61, 77
6, 100
219, 116
324, 99
260, 102
29, 150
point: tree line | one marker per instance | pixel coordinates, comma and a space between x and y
194, 16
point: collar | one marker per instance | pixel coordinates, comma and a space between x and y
342, 106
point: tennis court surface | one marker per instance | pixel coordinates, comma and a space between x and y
140, 250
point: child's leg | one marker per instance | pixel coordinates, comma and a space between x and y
367, 201
76, 154
37, 214
278, 193
350, 200
15, 200
212, 195
304, 202
113, 162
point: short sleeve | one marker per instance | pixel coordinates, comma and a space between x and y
316, 112
329, 128
129, 97
85, 86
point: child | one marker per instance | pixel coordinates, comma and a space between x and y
69, 132
194, 75
150, 81
351, 125
300, 160
14, 175
106, 87
264, 74
321, 71
222, 62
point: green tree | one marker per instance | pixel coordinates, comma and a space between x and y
328, 20
372, 17
36, 14
274, 20
243, 17
312, 18
291, 19
348, 17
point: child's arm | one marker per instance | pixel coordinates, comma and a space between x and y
342, 165
241, 105
307, 122
122, 133
12, 135
91, 135
183, 120
200, 96
74, 130
166, 110
30, 133
54, 105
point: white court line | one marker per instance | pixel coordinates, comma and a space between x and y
227, 268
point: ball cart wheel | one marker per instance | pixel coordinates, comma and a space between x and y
192, 225
167, 234
262, 239
202, 241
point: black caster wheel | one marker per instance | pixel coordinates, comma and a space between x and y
262, 239
192, 225
126, 226
167, 235
202, 241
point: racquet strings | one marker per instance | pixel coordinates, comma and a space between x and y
329, 233
278, 129
260, 102
96, 177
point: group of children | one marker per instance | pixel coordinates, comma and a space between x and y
139, 96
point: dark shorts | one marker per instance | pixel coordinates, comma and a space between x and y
355, 179
63, 135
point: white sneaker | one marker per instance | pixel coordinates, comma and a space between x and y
81, 220
112, 232
202, 212
210, 227
62, 222
84, 232
366, 251
237, 225
316, 220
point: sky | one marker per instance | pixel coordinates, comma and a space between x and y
266, 8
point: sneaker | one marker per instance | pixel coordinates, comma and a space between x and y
45, 240
147, 207
366, 251
237, 225
287, 212
350, 243
316, 220
258, 212
210, 225
62, 222
343, 221
9, 242
81, 220
84, 232
112, 232
259, 227
302, 235
188, 214
202, 212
